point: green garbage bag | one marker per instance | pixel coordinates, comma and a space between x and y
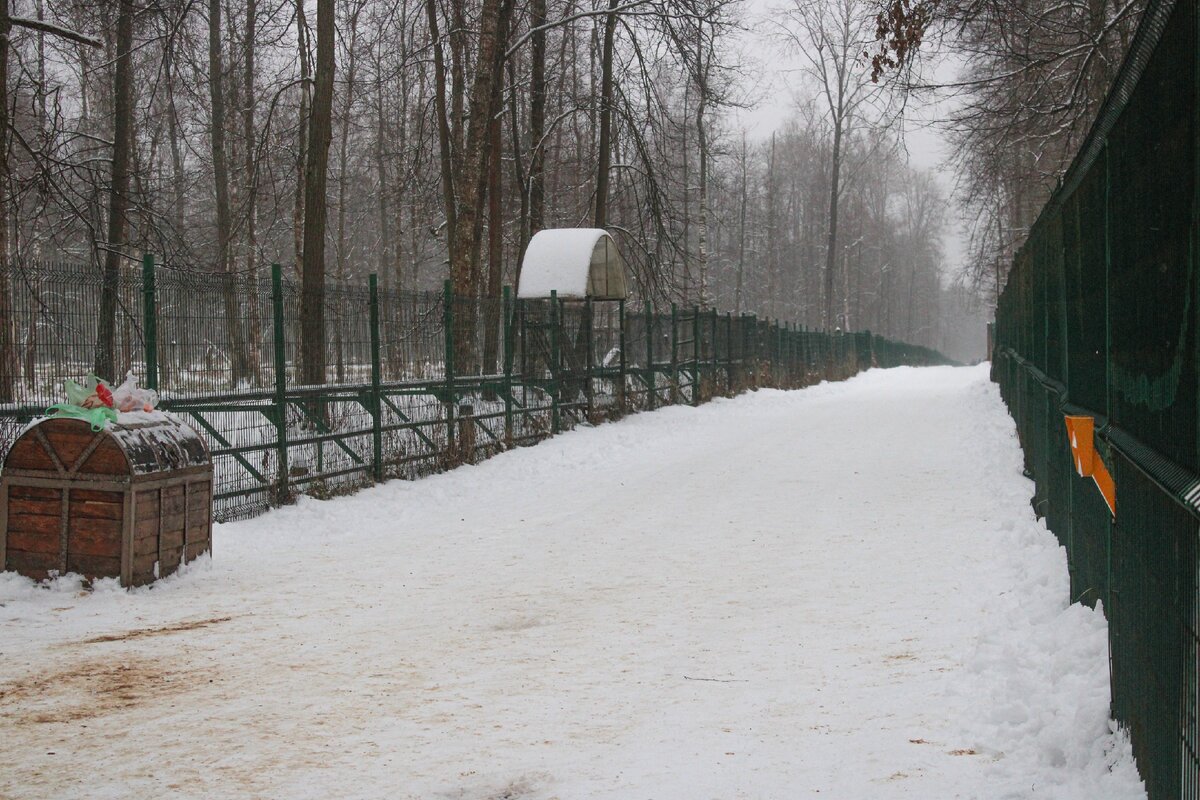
96, 417
91, 401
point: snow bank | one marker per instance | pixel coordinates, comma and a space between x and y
837, 592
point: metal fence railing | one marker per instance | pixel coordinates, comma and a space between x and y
1097, 330
414, 382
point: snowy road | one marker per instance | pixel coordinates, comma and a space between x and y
838, 592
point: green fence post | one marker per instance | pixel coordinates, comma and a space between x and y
786, 355
376, 380
777, 357
277, 334
798, 354
674, 354
621, 399
744, 325
729, 353
149, 322
589, 338
554, 362
695, 355
448, 324
508, 363
807, 351
650, 397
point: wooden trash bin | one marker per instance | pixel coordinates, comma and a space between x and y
132, 501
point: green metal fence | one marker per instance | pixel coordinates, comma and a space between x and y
415, 382
1099, 319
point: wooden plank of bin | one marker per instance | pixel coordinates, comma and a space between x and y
70, 442
94, 537
143, 568
208, 517
4, 491
45, 508
96, 505
22, 559
91, 566
46, 524
106, 459
173, 500
172, 536
162, 507
186, 485
29, 453
171, 559
22, 491
63, 529
130, 504
32, 542
198, 497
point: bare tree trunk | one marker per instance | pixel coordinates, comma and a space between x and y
831, 241
772, 232
343, 151
381, 175
343, 163
250, 168
8, 360
298, 206
179, 189
537, 118
118, 194
233, 319
320, 132
741, 268
491, 327
604, 158
702, 142
443, 123
472, 178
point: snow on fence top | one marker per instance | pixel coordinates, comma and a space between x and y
574, 262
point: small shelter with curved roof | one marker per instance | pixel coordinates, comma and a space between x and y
576, 263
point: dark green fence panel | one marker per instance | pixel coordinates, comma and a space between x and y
1099, 318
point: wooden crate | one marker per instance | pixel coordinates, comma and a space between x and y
132, 501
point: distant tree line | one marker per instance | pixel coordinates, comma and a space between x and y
429, 139
1035, 74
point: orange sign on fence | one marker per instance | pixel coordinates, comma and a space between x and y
1081, 432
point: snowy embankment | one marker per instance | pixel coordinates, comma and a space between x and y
839, 591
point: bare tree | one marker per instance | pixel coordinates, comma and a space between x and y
320, 132
118, 193
830, 36
1035, 77
233, 318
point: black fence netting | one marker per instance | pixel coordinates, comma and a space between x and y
1097, 327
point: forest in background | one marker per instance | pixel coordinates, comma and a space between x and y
426, 140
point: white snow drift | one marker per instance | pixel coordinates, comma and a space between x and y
838, 592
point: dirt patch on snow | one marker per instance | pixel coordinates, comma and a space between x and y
92, 688
139, 633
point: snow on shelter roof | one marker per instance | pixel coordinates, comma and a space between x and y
575, 262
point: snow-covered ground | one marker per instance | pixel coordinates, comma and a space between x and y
837, 592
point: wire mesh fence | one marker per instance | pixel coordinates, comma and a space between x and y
411, 383
1098, 323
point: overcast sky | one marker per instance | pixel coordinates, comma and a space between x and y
774, 76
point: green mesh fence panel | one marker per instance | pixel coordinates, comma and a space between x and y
1099, 319
1151, 283
1087, 342
1152, 594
